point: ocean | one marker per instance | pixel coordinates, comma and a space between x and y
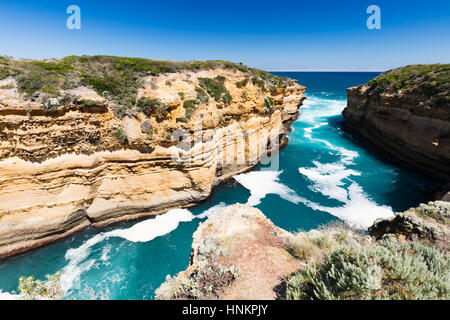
324, 175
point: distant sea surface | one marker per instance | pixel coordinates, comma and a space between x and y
324, 175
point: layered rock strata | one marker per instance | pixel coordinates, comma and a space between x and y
81, 165
405, 112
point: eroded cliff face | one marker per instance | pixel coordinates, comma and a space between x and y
406, 113
81, 164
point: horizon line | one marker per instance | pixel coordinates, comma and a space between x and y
324, 70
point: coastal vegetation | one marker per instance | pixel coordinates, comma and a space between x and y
216, 89
387, 270
117, 78
429, 82
32, 289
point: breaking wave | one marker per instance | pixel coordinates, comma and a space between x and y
144, 231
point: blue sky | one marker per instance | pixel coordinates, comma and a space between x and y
273, 35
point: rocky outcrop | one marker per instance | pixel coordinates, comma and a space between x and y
237, 253
81, 159
240, 247
405, 112
428, 223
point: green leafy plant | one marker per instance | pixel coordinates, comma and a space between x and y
189, 104
121, 136
31, 289
216, 89
268, 104
202, 96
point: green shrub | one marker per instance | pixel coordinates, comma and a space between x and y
4, 73
120, 111
148, 106
37, 80
388, 270
259, 82
202, 96
189, 104
428, 79
50, 89
61, 67
273, 90
268, 104
216, 89
31, 289
109, 83
161, 112
181, 94
220, 79
168, 83
152, 107
242, 83
116, 78
121, 136
189, 112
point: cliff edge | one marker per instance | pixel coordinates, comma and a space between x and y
238, 253
86, 141
406, 113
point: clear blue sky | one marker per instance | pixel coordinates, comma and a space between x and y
274, 35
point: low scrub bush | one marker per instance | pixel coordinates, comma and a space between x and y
242, 83
121, 136
268, 104
202, 96
31, 289
388, 270
216, 89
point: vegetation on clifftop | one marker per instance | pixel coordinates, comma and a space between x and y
430, 83
387, 270
116, 78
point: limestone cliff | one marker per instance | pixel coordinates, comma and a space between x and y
406, 112
92, 140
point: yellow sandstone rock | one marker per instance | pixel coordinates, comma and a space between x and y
64, 171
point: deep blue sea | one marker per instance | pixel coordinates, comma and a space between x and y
323, 175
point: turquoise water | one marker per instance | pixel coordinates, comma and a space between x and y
323, 175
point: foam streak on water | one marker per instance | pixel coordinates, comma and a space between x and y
262, 183
333, 180
144, 231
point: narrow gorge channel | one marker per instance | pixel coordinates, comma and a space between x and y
323, 175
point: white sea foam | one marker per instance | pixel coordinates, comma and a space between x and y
359, 211
318, 108
330, 179
144, 231
8, 296
262, 183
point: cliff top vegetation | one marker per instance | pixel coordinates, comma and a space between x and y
115, 78
430, 83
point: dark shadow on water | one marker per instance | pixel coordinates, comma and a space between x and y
427, 185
